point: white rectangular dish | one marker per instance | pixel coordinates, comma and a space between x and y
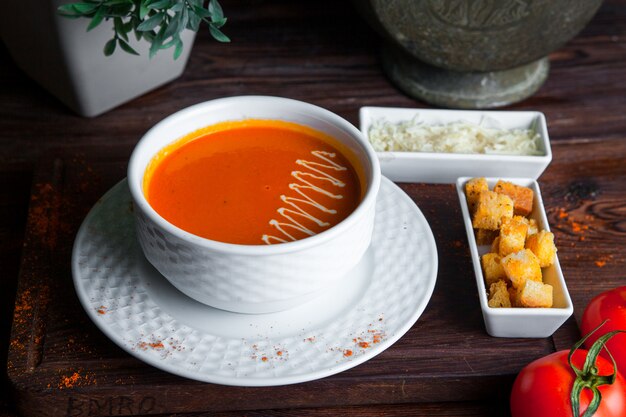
445, 168
518, 322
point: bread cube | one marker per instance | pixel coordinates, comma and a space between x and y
532, 227
522, 196
520, 267
473, 188
490, 210
542, 245
492, 270
498, 295
495, 245
512, 235
513, 297
535, 294
485, 236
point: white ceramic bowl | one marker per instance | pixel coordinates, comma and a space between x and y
519, 322
253, 278
445, 168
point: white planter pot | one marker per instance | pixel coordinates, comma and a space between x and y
69, 62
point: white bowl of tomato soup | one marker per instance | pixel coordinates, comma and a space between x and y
254, 204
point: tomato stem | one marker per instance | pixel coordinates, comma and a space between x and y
588, 377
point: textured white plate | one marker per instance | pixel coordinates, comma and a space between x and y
445, 168
363, 315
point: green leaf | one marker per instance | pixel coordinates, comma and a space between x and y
178, 50
149, 35
168, 44
151, 23
97, 18
177, 7
161, 4
194, 22
217, 34
112, 3
157, 42
153, 50
118, 25
184, 19
67, 10
126, 47
120, 10
219, 23
201, 12
216, 10
173, 40
130, 25
109, 47
173, 26
85, 8
143, 10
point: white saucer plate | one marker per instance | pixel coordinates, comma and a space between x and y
364, 314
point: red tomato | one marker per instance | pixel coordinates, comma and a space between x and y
543, 387
611, 306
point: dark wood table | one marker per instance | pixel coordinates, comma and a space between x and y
54, 165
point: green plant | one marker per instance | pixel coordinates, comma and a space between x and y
160, 22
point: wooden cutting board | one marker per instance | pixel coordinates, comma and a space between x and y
60, 364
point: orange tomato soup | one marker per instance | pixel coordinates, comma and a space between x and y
253, 182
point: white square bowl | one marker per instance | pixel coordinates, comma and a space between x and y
518, 322
445, 168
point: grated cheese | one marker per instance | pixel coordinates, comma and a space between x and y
455, 137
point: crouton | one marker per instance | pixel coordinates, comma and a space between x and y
513, 297
485, 236
498, 295
495, 245
490, 210
520, 267
542, 245
473, 188
492, 270
522, 196
512, 235
535, 294
532, 227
